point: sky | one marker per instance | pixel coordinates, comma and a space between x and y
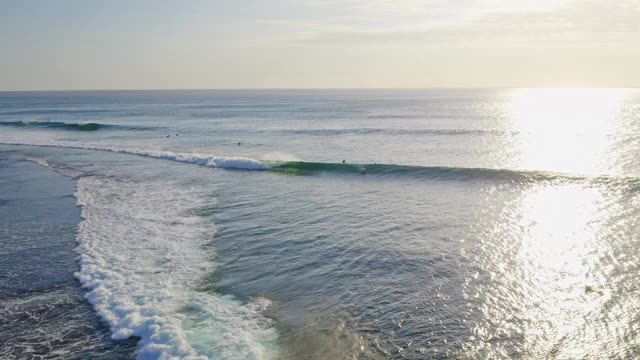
198, 44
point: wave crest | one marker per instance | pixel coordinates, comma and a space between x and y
55, 125
285, 166
59, 125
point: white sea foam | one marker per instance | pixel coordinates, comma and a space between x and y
143, 250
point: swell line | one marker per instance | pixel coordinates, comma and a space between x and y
448, 173
58, 125
390, 170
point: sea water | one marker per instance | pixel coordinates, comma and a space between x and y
326, 224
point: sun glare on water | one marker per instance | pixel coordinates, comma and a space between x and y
553, 249
565, 130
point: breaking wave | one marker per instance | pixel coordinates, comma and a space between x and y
144, 250
292, 166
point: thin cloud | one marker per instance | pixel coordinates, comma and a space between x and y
585, 20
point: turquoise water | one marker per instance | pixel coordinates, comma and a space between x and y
224, 224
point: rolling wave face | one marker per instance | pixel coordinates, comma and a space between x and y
433, 172
454, 173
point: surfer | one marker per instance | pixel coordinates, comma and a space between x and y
363, 171
168, 136
239, 143
590, 289
343, 161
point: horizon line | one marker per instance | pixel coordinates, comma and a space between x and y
325, 88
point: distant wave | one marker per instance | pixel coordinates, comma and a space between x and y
367, 131
67, 126
235, 106
54, 125
53, 111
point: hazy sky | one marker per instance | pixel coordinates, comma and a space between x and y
145, 44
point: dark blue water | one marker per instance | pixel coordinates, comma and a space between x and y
43, 310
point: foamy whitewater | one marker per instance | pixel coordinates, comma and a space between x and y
141, 257
142, 254
342, 224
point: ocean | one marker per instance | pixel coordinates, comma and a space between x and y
320, 224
